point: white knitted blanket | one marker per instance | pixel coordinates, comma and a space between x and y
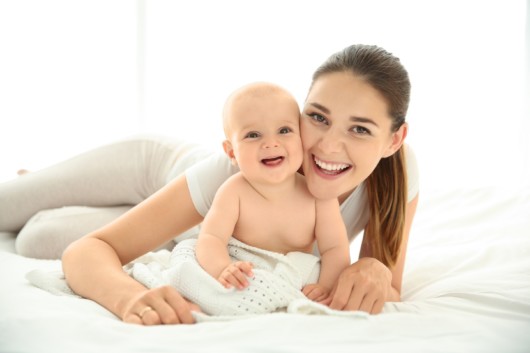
275, 287
278, 279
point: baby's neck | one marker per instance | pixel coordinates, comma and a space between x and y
276, 191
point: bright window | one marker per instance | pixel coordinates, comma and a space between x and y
76, 74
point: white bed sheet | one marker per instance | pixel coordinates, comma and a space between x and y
466, 289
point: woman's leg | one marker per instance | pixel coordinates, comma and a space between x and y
49, 232
123, 173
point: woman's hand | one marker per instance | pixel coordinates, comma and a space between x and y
365, 285
163, 305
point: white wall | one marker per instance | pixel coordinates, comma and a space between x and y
67, 78
102, 70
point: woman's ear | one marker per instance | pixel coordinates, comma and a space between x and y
397, 140
229, 150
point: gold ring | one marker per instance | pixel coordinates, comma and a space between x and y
144, 311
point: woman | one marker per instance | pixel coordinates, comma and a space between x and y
352, 128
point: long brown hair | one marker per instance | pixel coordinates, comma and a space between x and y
387, 185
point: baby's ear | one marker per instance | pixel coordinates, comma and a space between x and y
229, 150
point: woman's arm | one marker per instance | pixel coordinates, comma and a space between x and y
93, 264
367, 284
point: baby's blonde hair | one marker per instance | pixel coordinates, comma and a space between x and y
250, 91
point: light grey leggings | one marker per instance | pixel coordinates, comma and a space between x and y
52, 207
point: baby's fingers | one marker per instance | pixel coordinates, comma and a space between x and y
233, 277
315, 292
308, 289
246, 268
326, 301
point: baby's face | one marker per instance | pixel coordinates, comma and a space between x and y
265, 136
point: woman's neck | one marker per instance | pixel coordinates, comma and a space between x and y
345, 195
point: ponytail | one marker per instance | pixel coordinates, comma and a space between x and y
387, 198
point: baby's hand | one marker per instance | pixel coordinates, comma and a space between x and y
317, 293
235, 275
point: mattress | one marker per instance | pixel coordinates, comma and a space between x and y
466, 288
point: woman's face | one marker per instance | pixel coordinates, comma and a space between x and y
346, 130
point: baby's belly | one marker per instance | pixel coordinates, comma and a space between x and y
278, 244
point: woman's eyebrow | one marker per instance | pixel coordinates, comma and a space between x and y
356, 119
321, 107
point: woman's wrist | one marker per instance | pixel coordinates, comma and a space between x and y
393, 294
101, 279
379, 269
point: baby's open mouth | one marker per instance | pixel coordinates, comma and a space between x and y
272, 161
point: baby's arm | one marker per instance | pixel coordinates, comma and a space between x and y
217, 228
334, 248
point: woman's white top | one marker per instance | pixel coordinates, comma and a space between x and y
205, 177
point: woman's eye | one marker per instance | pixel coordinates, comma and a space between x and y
317, 118
285, 130
252, 135
360, 130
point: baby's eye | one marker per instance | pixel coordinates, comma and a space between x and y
252, 135
285, 130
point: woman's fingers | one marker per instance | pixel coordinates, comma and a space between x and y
377, 307
132, 319
152, 317
367, 303
182, 309
163, 305
362, 286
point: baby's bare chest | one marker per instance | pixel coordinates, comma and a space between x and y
284, 227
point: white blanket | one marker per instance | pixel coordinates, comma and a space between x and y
275, 287
466, 288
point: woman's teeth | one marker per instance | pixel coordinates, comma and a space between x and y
331, 167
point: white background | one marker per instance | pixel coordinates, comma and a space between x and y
77, 74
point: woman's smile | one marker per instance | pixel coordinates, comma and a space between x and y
346, 130
329, 168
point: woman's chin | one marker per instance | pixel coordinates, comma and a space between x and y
321, 190
324, 186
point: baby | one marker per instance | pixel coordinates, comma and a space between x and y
267, 204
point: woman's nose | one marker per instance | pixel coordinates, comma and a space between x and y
330, 141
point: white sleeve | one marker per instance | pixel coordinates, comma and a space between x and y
205, 177
413, 176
